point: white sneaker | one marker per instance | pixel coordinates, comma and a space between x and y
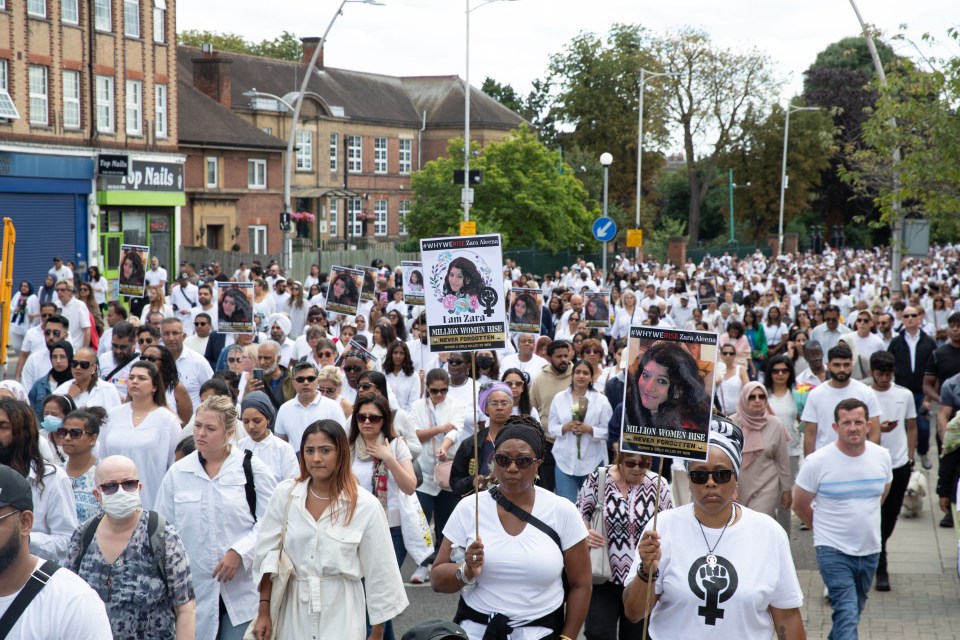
925, 461
421, 575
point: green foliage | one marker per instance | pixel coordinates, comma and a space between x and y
286, 46
535, 108
528, 195
852, 53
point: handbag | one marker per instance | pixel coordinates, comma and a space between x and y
441, 470
600, 556
278, 589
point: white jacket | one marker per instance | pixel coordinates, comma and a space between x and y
212, 517
450, 410
593, 448
54, 513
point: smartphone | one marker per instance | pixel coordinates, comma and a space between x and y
258, 374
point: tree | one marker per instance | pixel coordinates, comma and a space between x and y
286, 46
528, 195
535, 108
714, 91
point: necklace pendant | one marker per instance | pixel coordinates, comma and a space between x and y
711, 561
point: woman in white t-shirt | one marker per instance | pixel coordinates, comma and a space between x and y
715, 567
512, 580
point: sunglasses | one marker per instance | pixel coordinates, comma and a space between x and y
505, 461
632, 464
110, 488
514, 383
200, 324
720, 476
81, 363
364, 386
120, 347
352, 369
910, 315
234, 360
757, 396
778, 372
728, 353
327, 391
302, 379
372, 418
73, 433
326, 354
53, 332
438, 392
456, 363
593, 350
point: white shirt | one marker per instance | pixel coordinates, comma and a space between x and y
593, 447
824, 398
276, 453
896, 403
194, 370
196, 344
33, 340
37, 366
103, 395
66, 602
531, 367
54, 514
293, 418
154, 277
212, 516
105, 342
425, 415
78, 316
151, 445
119, 379
405, 389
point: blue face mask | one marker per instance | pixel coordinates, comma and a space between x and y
51, 423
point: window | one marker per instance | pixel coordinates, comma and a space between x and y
103, 20
71, 99
257, 238
159, 20
380, 218
333, 152
334, 216
8, 110
406, 156
257, 174
37, 8
134, 107
380, 155
354, 223
160, 105
354, 154
267, 130
304, 150
39, 104
213, 172
69, 12
105, 104
404, 210
131, 18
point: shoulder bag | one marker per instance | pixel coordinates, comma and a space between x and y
600, 556
441, 471
37, 581
286, 572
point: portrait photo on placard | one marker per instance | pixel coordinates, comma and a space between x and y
234, 307
343, 291
525, 306
596, 309
134, 261
413, 290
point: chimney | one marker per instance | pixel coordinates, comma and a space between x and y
211, 75
309, 46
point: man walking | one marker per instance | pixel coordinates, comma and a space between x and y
849, 479
911, 349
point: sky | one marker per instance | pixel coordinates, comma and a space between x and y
512, 40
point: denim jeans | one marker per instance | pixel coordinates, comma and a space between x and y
227, 630
568, 486
848, 579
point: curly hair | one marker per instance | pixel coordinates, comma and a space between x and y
24, 449
242, 309
350, 294
139, 272
530, 315
602, 313
472, 281
687, 401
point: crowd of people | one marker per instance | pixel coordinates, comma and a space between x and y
211, 485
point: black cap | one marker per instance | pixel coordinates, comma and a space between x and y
435, 630
15, 490
57, 259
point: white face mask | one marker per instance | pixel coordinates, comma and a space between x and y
121, 504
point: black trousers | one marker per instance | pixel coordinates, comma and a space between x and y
890, 510
606, 614
547, 469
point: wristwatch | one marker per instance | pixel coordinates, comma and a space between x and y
462, 575
643, 576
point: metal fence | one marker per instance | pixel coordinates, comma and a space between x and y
229, 260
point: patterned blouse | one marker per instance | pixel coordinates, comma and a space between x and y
626, 516
87, 505
139, 605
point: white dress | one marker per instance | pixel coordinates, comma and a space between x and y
326, 598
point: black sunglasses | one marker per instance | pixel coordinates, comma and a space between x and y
505, 461
365, 385
150, 358
352, 369
438, 392
720, 476
456, 363
630, 464
302, 379
81, 363
73, 433
372, 418
110, 488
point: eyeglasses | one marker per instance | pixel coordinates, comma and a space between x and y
120, 347
172, 334
363, 386
720, 476
302, 379
56, 333
757, 396
81, 363
234, 360
728, 353
632, 464
505, 461
778, 372
352, 368
456, 363
910, 315
61, 289
200, 324
73, 433
499, 404
513, 383
143, 341
438, 392
372, 418
110, 488
863, 319
150, 358
327, 391
593, 350
327, 354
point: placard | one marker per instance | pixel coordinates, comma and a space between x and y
133, 269
369, 289
412, 282
668, 391
525, 306
343, 292
464, 297
234, 307
597, 309
706, 292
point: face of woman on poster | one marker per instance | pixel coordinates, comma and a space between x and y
228, 306
519, 309
592, 308
127, 268
455, 279
654, 385
338, 288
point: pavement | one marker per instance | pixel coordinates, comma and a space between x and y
922, 605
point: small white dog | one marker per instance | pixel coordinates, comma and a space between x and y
916, 492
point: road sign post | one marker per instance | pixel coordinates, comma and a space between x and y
604, 230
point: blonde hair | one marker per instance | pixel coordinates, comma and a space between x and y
251, 350
332, 374
226, 410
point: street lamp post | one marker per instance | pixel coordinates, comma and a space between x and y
606, 160
783, 169
733, 185
286, 247
644, 74
466, 194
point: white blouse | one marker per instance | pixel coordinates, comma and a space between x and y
593, 447
103, 394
